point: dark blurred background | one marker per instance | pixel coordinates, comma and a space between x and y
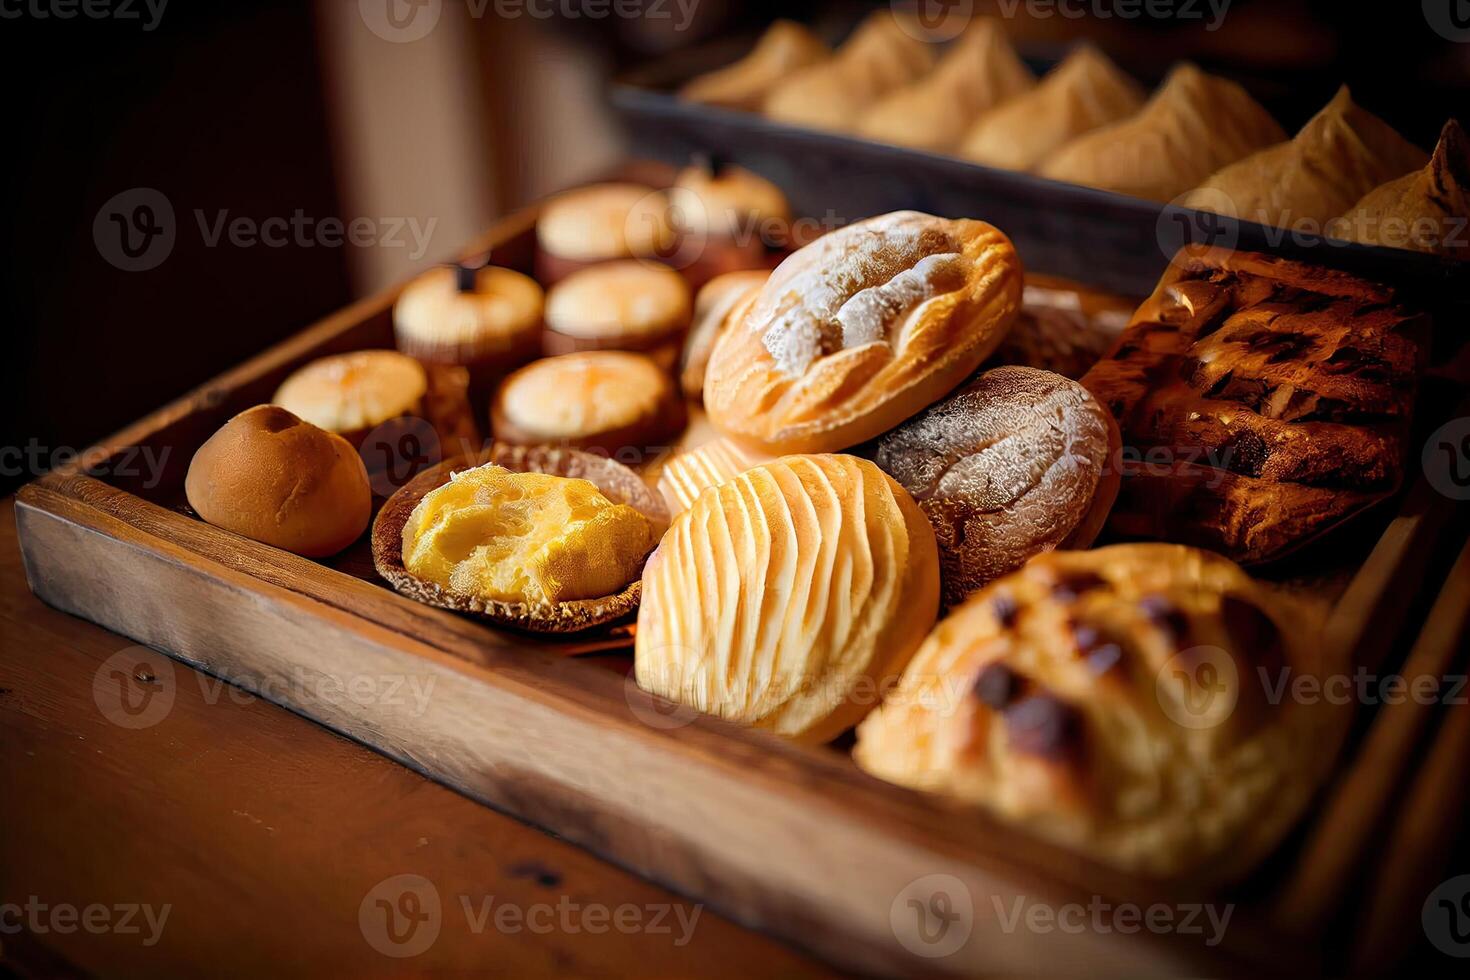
302, 113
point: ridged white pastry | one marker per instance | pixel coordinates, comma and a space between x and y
1194, 125
1342, 153
1077, 96
879, 57
1117, 701
788, 597
981, 70
690, 473
861, 329
1426, 211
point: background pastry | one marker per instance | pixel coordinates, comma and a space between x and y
487, 319
628, 305
716, 301
728, 204
785, 47
1268, 400
788, 596
350, 394
1192, 126
1426, 211
1016, 463
1111, 701
981, 70
1342, 152
1063, 326
615, 402
1082, 93
690, 472
861, 329
598, 223
274, 478
879, 57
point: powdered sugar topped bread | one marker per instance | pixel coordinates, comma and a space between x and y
1010, 466
860, 329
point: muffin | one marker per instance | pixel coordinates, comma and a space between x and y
627, 305
351, 394
599, 223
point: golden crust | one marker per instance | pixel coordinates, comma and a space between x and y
1112, 701
1425, 211
351, 393
789, 596
861, 329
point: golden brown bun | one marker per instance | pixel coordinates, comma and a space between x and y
615, 402
785, 47
1426, 211
861, 329
271, 477
1014, 464
604, 221
879, 57
1112, 701
1077, 96
979, 72
351, 393
488, 329
627, 305
789, 596
690, 472
1341, 153
717, 300
1194, 125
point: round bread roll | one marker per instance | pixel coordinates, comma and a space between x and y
486, 319
789, 596
598, 223
734, 203
1112, 701
1014, 464
628, 305
713, 306
861, 329
615, 402
351, 393
272, 477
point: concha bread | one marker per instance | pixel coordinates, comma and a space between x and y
1082, 93
789, 596
691, 472
861, 329
1342, 153
1116, 701
1191, 127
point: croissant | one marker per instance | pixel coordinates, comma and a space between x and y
880, 56
1194, 125
981, 70
1426, 211
1342, 152
781, 50
1082, 93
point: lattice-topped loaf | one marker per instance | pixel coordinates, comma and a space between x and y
1261, 401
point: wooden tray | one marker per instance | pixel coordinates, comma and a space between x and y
793, 840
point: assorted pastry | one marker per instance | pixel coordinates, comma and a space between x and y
862, 489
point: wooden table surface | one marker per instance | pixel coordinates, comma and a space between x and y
268, 841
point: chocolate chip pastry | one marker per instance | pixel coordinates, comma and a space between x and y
1261, 401
1118, 702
